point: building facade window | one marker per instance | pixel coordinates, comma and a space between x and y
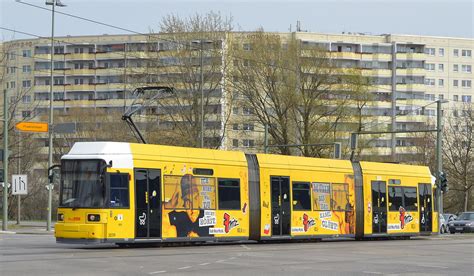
466, 68
26, 69
26, 114
26, 83
455, 83
26, 53
441, 67
456, 52
429, 81
430, 66
248, 127
466, 53
248, 143
441, 52
235, 110
26, 99
441, 82
235, 127
466, 98
466, 83
455, 98
12, 84
430, 51
456, 67
235, 143
441, 96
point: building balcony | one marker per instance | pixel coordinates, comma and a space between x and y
80, 87
346, 55
411, 56
110, 55
111, 71
381, 57
45, 88
377, 72
42, 73
57, 57
80, 72
412, 118
82, 56
411, 87
411, 72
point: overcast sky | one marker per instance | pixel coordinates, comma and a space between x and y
425, 17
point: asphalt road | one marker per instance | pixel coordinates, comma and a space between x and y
26, 254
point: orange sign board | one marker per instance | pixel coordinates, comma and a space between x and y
32, 126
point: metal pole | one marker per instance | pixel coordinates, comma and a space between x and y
50, 148
439, 154
265, 141
5, 162
394, 102
18, 218
202, 98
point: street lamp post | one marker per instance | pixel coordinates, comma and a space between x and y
53, 4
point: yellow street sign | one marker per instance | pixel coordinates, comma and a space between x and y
32, 126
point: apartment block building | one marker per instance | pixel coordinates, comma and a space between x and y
408, 72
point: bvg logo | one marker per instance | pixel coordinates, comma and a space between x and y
404, 217
229, 223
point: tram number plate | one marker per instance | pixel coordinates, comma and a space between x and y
458, 228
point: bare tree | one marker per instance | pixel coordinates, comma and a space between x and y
174, 60
458, 153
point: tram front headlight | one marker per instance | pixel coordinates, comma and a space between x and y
93, 217
60, 217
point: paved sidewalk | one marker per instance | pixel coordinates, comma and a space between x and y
28, 227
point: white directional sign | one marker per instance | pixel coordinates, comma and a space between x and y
20, 184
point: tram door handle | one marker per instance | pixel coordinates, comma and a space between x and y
146, 197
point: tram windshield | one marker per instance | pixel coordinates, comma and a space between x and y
82, 184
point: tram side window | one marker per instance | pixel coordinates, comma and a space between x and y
189, 192
229, 194
204, 192
395, 198
321, 196
301, 196
340, 197
119, 196
411, 202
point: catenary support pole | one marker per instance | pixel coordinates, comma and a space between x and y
51, 121
202, 93
5, 162
439, 153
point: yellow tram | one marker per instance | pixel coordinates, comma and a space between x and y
129, 193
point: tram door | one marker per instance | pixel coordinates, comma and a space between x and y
379, 207
147, 202
426, 214
281, 212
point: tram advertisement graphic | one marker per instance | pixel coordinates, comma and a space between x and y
189, 208
308, 222
405, 218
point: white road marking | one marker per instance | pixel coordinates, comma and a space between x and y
204, 264
372, 272
231, 258
246, 247
220, 261
157, 272
184, 267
